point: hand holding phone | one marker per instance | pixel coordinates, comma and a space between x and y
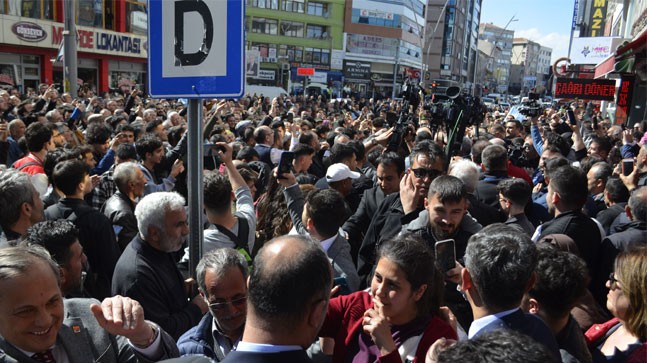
285, 164
571, 117
445, 255
627, 166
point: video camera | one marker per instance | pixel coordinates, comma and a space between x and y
532, 107
410, 99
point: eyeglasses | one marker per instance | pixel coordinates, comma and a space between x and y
219, 306
422, 172
614, 282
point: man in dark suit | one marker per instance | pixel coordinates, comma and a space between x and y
499, 268
289, 289
38, 325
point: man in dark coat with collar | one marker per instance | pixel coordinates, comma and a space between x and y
96, 235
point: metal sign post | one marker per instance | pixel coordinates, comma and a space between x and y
196, 51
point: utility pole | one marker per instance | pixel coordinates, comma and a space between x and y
70, 65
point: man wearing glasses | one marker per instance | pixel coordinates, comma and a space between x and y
222, 276
398, 209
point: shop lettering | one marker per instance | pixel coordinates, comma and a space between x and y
586, 89
29, 32
598, 17
118, 43
86, 39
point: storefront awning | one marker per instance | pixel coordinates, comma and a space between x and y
637, 44
622, 61
605, 67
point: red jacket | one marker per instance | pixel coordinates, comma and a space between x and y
35, 165
344, 322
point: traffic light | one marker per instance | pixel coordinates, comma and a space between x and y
433, 87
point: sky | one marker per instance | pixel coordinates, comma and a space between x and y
547, 22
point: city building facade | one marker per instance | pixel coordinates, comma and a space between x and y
112, 47
531, 63
502, 39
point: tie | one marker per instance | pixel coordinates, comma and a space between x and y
44, 357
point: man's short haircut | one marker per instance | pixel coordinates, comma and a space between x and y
126, 152
69, 174
327, 209
281, 289
638, 204
562, 278
416, 259
602, 170
391, 158
551, 165
604, 144
307, 137
15, 189
428, 148
247, 154
379, 122
217, 192
219, 260
56, 236
37, 135
124, 173
260, 133
497, 346
148, 144
517, 190
151, 210
500, 261
517, 123
448, 189
302, 150
97, 133
477, 150
340, 152
360, 150
125, 127
571, 184
495, 158
152, 125
617, 190
19, 260
467, 171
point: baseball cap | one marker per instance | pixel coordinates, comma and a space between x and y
338, 172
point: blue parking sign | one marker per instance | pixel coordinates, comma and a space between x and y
196, 48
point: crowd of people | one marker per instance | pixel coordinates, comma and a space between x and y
333, 232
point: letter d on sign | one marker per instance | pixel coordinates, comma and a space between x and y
186, 6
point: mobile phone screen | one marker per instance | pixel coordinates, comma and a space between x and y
445, 254
285, 164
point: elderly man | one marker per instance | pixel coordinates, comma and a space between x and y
289, 290
21, 204
38, 325
222, 282
146, 271
120, 208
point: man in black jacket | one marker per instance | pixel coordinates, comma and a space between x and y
120, 208
397, 209
567, 194
72, 178
390, 169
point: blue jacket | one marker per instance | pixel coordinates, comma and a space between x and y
198, 340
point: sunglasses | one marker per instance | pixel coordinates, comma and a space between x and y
422, 172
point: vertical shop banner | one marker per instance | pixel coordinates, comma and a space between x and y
597, 20
625, 95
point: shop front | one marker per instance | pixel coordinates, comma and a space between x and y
31, 53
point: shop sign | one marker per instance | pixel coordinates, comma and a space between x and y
357, 70
625, 95
49, 34
586, 89
29, 32
597, 21
267, 75
593, 50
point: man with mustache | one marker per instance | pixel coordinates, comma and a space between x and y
222, 276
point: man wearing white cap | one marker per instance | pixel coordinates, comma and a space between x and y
340, 177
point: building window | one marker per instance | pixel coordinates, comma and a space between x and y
292, 29
316, 31
265, 26
293, 6
317, 9
136, 17
266, 4
35, 9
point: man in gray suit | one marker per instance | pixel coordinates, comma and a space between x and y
38, 325
321, 216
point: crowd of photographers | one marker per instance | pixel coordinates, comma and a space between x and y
355, 175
